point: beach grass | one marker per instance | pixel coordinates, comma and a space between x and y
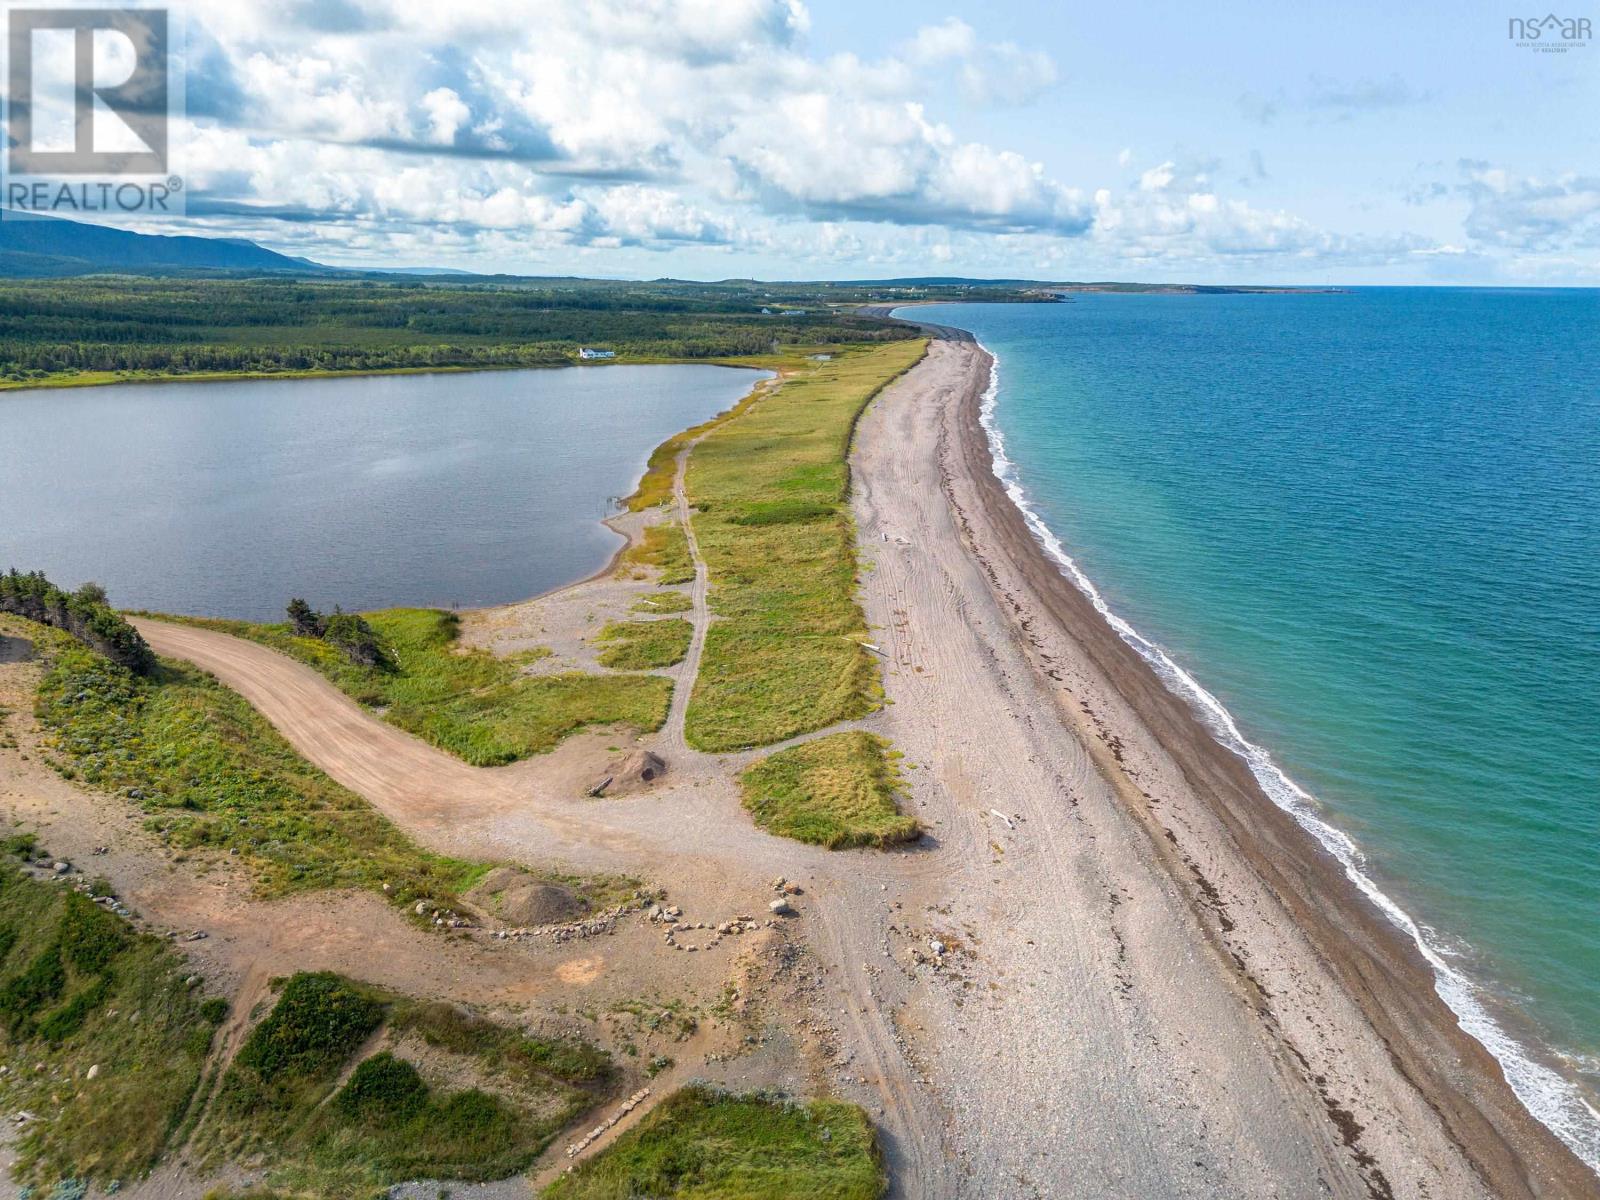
81, 989
701, 1144
665, 601
344, 1089
479, 707
835, 791
210, 772
663, 547
644, 645
770, 487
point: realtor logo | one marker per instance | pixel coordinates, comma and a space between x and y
89, 96
1549, 34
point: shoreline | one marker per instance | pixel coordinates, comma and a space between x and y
1550, 1098
1383, 971
92, 379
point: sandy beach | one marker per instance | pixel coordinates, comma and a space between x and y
1112, 968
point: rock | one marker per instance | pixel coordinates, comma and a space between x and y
781, 908
421, 908
793, 889
936, 945
93, 1072
61, 868
633, 772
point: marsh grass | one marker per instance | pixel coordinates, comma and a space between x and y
644, 645
481, 708
80, 988
701, 1144
835, 791
211, 772
771, 490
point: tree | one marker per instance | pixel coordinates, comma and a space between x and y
305, 620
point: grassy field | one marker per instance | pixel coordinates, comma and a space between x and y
481, 708
703, 1145
72, 976
663, 547
836, 791
324, 1129
644, 645
771, 491
663, 602
211, 772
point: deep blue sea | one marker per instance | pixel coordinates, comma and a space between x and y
1367, 525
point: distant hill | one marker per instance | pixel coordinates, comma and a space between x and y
49, 246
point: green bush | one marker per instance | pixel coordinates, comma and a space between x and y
319, 1021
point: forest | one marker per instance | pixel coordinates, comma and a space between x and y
54, 330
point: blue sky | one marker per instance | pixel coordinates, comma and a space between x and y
1223, 142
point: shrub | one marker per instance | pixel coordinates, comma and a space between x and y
84, 614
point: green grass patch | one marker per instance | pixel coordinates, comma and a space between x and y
699, 1144
644, 645
211, 772
773, 524
664, 602
81, 989
836, 791
283, 1099
665, 548
481, 708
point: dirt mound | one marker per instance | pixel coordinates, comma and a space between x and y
634, 771
518, 898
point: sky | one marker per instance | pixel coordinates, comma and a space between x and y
1225, 142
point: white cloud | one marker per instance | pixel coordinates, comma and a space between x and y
1527, 213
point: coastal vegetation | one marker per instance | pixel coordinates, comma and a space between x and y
444, 1095
835, 791
663, 602
211, 773
665, 548
702, 1144
644, 645
770, 488
103, 1040
345, 631
84, 614
479, 707
101, 328
439, 1093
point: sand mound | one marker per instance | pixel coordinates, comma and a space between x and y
633, 772
518, 898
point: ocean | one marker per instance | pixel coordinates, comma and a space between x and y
1361, 531
226, 498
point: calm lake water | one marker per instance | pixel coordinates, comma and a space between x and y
225, 499
1368, 524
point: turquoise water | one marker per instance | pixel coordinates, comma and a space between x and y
1368, 524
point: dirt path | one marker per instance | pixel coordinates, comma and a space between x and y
673, 739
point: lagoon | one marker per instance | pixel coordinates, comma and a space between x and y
227, 498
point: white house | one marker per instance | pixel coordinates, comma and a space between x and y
590, 352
